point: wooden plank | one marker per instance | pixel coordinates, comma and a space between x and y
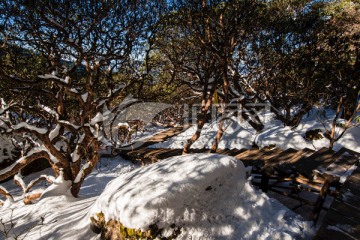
268, 154
263, 154
286, 168
255, 157
346, 224
344, 212
329, 232
168, 153
234, 152
349, 198
160, 137
348, 151
352, 185
322, 158
329, 180
350, 192
343, 161
356, 173
223, 151
347, 209
281, 157
152, 152
246, 153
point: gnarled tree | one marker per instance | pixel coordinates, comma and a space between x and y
83, 45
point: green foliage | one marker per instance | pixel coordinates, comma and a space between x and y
357, 119
338, 55
314, 134
114, 228
340, 125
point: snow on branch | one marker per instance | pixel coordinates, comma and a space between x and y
27, 127
82, 172
55, 132
99, 117
4, 107
34, 154
53, 77
6, 194
49, 110
84, 97
49, 179
68, 124
19, 181
75, 156
112, 94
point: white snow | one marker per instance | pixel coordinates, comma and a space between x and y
53, 76
69, 124
179, 190
84, 96
74, 90
55, 132
241, 135
99, 117
19, 179
58, 188
123, 124
234, 210
67, 79
205, 194
60, 217
30, 127
6, 148
82, 172
49, 76
49, 110
75, 156
34, 150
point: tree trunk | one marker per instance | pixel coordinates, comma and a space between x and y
333, 126
226, 90
218, 137
76, 184
257, 125
200, 124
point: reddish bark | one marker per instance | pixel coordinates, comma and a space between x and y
24, 162
200, 124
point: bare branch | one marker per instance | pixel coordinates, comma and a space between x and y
49, 179
22, 162
5, 193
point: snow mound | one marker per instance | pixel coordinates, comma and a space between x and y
207, 195
59, 187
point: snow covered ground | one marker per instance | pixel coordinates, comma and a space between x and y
247, 214
235, 210
59, 217
241, 135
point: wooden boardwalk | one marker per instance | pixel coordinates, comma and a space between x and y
342, 221
306, 170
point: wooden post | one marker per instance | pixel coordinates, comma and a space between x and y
329, 181
265, 177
